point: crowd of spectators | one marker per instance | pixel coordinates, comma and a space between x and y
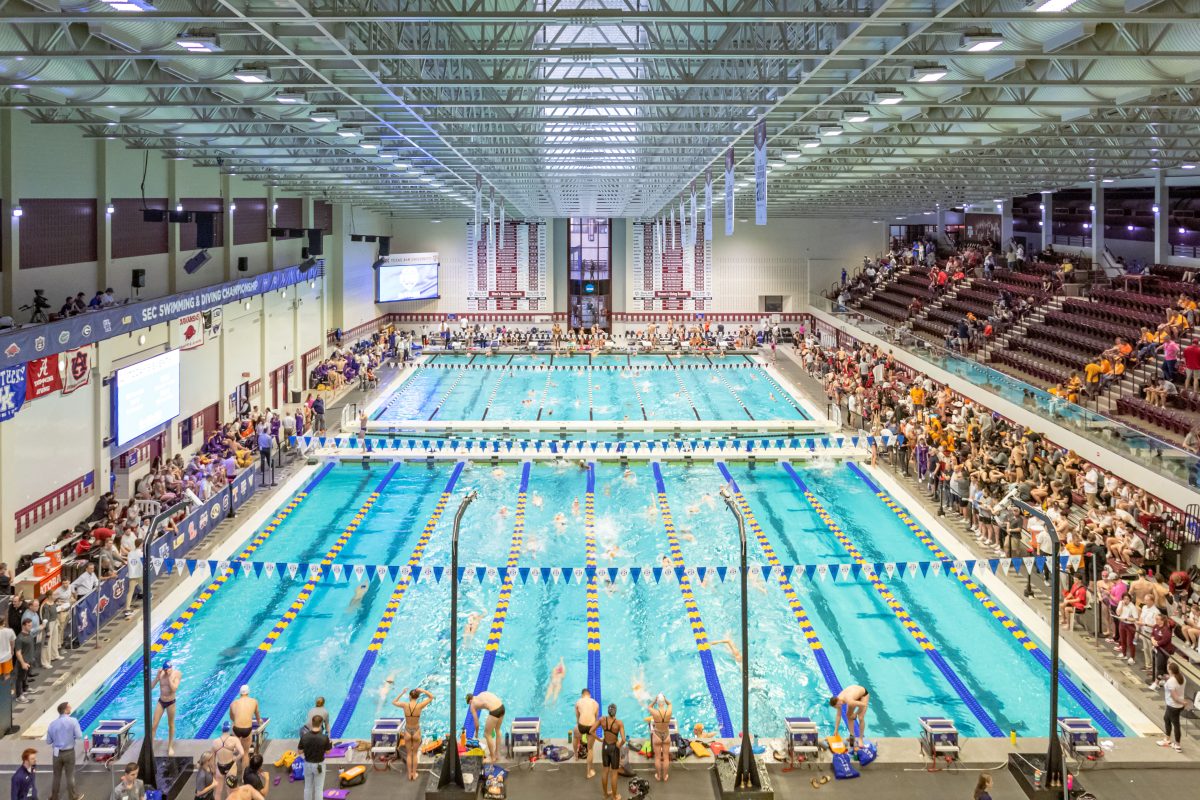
969, 459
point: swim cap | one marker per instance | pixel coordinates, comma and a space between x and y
660, 699
166, 665
245, 690
612, 709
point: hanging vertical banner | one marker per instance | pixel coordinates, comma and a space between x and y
12, 391
478, 204
492, 205
694, 219
729, 192
502, 223
683, 231
671, 231
760, 173
79, 369
42, 377
708, 204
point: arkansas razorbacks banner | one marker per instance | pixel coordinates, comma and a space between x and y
191, 331
42, 377
78, 372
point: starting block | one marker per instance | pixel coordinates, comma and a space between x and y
385, 736
939, 737
1079, 737
110, 739
525, 736
258, 734
803, 742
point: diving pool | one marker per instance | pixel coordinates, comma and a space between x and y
922, 645
584, 387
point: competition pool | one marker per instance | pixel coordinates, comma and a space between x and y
924, 645
580, 388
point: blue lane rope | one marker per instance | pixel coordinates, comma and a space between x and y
1110, 727
593, 595
167, 631
488, 663
806, 626
367, 663
693, 609
914, 630
209, 726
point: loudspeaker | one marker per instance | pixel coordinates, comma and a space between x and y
179, 216
303, 252
316, 242
279, 233
356, 237
139, 279
295, 233
369, 238
385, 245
243, 264
154, 215
196, 262
206, 234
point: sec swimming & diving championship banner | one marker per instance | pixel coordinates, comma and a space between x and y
760, 173
729, 192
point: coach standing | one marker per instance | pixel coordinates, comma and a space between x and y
63, 735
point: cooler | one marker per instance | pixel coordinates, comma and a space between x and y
42, 567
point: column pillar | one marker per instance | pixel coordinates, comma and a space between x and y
227, 227
1162, 218
1006, 222
1097, 222
104, 219
335, 264
270, 224
940, 236
10, 245
174, 262
1047, 219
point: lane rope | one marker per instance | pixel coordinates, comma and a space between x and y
593, 595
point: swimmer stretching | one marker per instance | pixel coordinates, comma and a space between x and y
853, 699
167, 680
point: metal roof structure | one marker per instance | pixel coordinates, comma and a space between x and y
613, 107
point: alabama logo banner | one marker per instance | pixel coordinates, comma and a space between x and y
708, 204
42, 377
760, 173
729, 192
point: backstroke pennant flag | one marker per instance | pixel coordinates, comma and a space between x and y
708, 204
729, 192
760, 173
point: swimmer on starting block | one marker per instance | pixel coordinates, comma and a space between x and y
853, 702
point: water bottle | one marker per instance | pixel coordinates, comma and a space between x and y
1012, 737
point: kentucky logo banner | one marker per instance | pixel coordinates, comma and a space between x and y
12, 391
760, 173
729, 192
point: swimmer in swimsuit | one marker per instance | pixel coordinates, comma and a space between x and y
536, 500
610, 752
472, 626
586, 712
560, 521
243, 713
486, 701
227, 755
556, 679
575, 507
167, 681
660, 736
854, 700
733, 650
359, 592
413, 707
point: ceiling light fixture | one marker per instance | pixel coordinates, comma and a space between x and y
18, 212
928, 73
1051, 6
831, 130
888, 98
246, 75
810, 143
855, 115
198, 43
1188, 166
347, 133
323, 116
792, 155
980, 42
293, 98
369, 144
130, 5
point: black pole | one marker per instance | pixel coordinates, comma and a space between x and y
146, 767
451, 767
747, 770
1052, 778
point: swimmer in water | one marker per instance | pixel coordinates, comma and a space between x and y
686, 535
628, 475
359, 591
498, 473
560, 521
693, 509
707, 500
536, 500
612, 552
556, 679
575, 507
733, 651
471, 627
638, 687
757, 582
502, 511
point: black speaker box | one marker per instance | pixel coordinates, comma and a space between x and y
243, 264
139, 279
179, 216
316, 242
385, 245
154, 215
206, 229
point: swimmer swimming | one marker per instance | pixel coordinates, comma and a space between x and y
498, 473
556, 678
733, 650
359, 592
536, 500
471, 627
575, 507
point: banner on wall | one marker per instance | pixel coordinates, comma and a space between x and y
79, 369
191, 331
34, 341
508, 274
12, 391
42, 377
729, 192
760, 173
981, 227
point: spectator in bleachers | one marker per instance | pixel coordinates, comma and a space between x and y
1170, 355
96, 302
1191, 366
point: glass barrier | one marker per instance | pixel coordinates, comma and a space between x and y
1164, 458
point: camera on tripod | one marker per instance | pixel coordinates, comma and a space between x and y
38, 305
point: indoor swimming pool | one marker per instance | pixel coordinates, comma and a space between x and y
582, 388
922, 645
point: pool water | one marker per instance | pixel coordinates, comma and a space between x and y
647, 642
589, 388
